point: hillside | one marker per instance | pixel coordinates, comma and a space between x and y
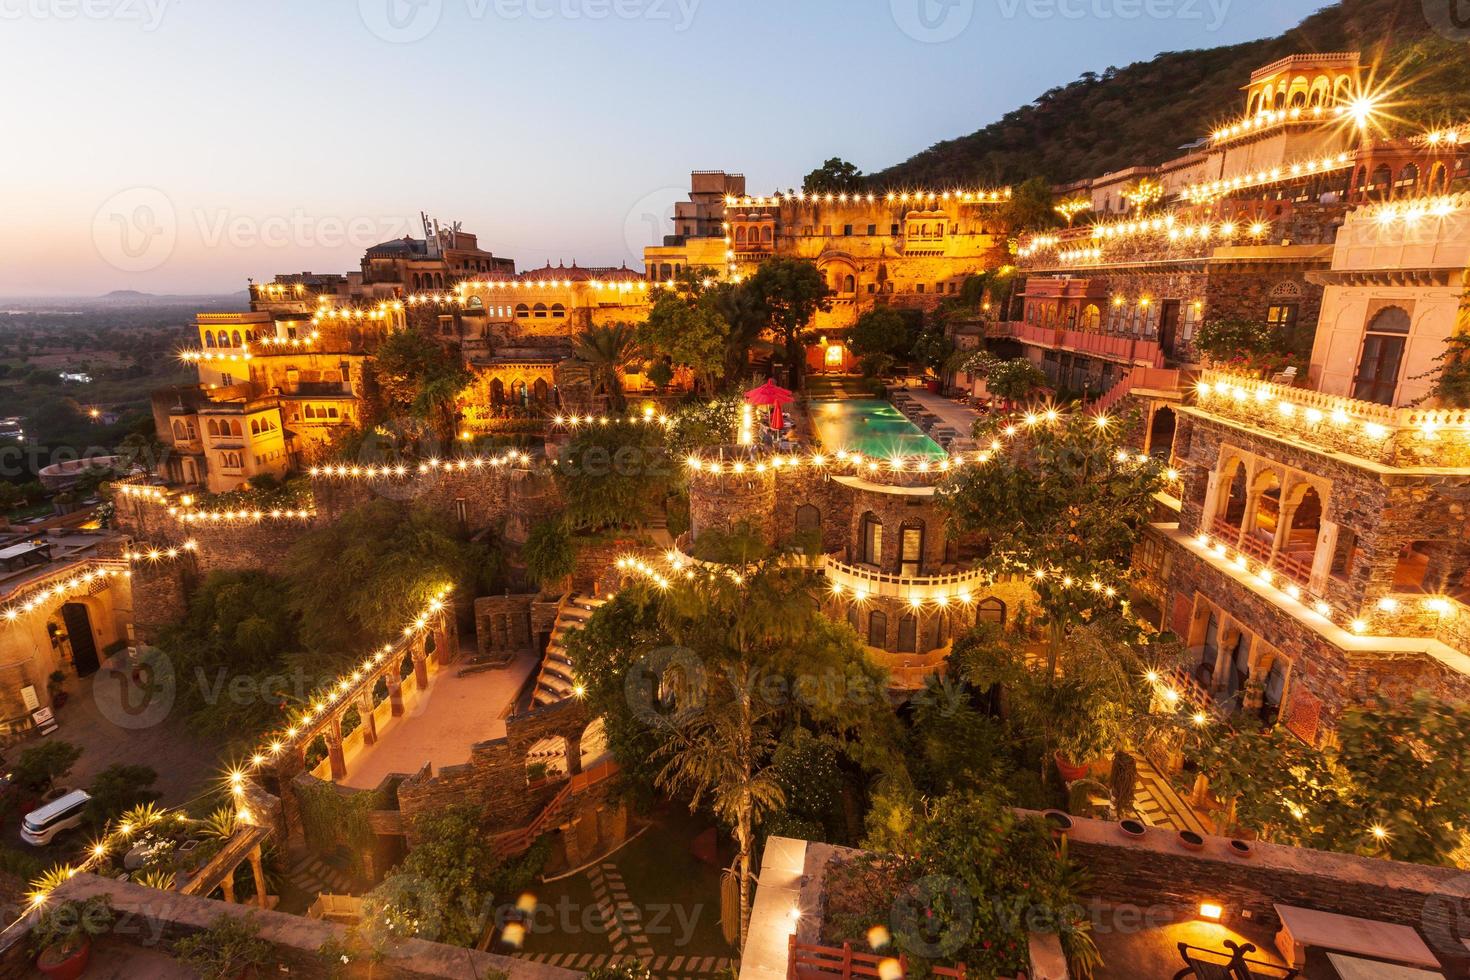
1143, 113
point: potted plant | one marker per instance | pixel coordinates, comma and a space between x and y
229, 949
64, 932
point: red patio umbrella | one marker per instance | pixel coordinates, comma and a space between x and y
773, 395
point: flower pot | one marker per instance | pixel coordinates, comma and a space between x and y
65, 965
1057, 821
1241, 849
1070, 771
1132, 828
1191, 841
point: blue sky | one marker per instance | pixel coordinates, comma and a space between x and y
183, 145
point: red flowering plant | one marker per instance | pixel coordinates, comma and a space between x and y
973, 879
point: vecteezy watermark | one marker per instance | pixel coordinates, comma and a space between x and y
649, 219
148, 14
932, 21
1211, 13
138, 693
1449, 18
138, 229
135, 230
407, 21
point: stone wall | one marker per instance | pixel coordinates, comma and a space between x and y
1156, 871
495, 776
1322, 673
504, 626
478, 497
1385, 509
151, 920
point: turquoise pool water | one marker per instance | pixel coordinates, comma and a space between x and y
870, 427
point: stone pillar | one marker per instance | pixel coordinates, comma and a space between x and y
1283, 527
257, 868
421, 669
334, 750
395, 692
369, 722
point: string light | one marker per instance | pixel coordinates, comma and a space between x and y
79, 581
993, 196
1208, 191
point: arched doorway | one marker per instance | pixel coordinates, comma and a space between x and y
1161, 434
78, 623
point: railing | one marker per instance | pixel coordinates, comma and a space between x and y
1136, 350
515, 842
812, 962
894, 584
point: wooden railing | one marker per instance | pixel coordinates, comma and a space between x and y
516, 842
809, 962
1285, 562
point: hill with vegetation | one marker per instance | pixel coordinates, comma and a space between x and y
1141, 114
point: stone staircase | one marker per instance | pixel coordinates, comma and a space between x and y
556, 682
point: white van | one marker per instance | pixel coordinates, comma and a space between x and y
41, 825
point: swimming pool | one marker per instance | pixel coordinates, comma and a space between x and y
870, 427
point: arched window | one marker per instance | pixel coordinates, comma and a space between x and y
255, 427
1408, 177
911, 558
558, 312
522, 311
235, 428
209, 338
235, 339
518, 392
179, 430
877, 629
808, 519
849, 284
539, 311
766, 233
1091, 318
1298, 99
497, 392
438, 280
213, 428
908, 634
1382, 356
540, 391
476, 303
1379, 183
870, 540
991, 610
418, 282
740, 234
1255, 104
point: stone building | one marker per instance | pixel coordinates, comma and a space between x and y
875, 531
1319, 554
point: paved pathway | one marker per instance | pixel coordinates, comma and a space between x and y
440, 726
949, 412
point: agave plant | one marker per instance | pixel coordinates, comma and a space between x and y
51, 878
140, 817
220, 824
157, 878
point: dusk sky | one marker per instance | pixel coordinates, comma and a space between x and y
183, 145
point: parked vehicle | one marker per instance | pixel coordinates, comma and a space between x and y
41, 825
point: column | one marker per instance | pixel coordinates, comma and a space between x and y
228, 886
421, 669
1283, 527
395, 691
334, 750
257, 868
369, 722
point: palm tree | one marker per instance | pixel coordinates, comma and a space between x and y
724, 754
600, 356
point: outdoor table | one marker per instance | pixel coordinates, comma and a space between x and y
1302, 929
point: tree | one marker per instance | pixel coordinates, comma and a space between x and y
1395, 785
444, 890
836, 176
879, 337
692, 332
549, 554
1065, 502
933, 350
753, 656
423, 380
40, 766
1015, 380
117, 788
745, 311
1030, 207
356, 581
791, 291
600, 357
610, 475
